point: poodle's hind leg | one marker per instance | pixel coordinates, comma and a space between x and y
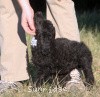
86, 65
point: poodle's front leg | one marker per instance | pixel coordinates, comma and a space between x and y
42, 75
39, 78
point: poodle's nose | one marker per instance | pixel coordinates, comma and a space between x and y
39, 13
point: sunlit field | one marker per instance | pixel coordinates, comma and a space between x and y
89, 25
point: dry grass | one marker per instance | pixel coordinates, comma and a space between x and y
92, 39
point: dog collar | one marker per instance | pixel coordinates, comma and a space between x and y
34, 42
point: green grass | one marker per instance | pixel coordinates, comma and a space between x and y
90, 34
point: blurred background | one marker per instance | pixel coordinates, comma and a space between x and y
87, 4
40, 5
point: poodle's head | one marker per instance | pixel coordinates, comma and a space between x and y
45, 33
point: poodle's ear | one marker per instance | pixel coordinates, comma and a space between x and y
47, 24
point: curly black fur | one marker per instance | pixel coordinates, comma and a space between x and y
52, 56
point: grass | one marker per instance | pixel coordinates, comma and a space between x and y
90, 34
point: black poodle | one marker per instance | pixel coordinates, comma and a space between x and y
58, 56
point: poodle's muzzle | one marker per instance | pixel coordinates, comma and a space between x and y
45, 49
